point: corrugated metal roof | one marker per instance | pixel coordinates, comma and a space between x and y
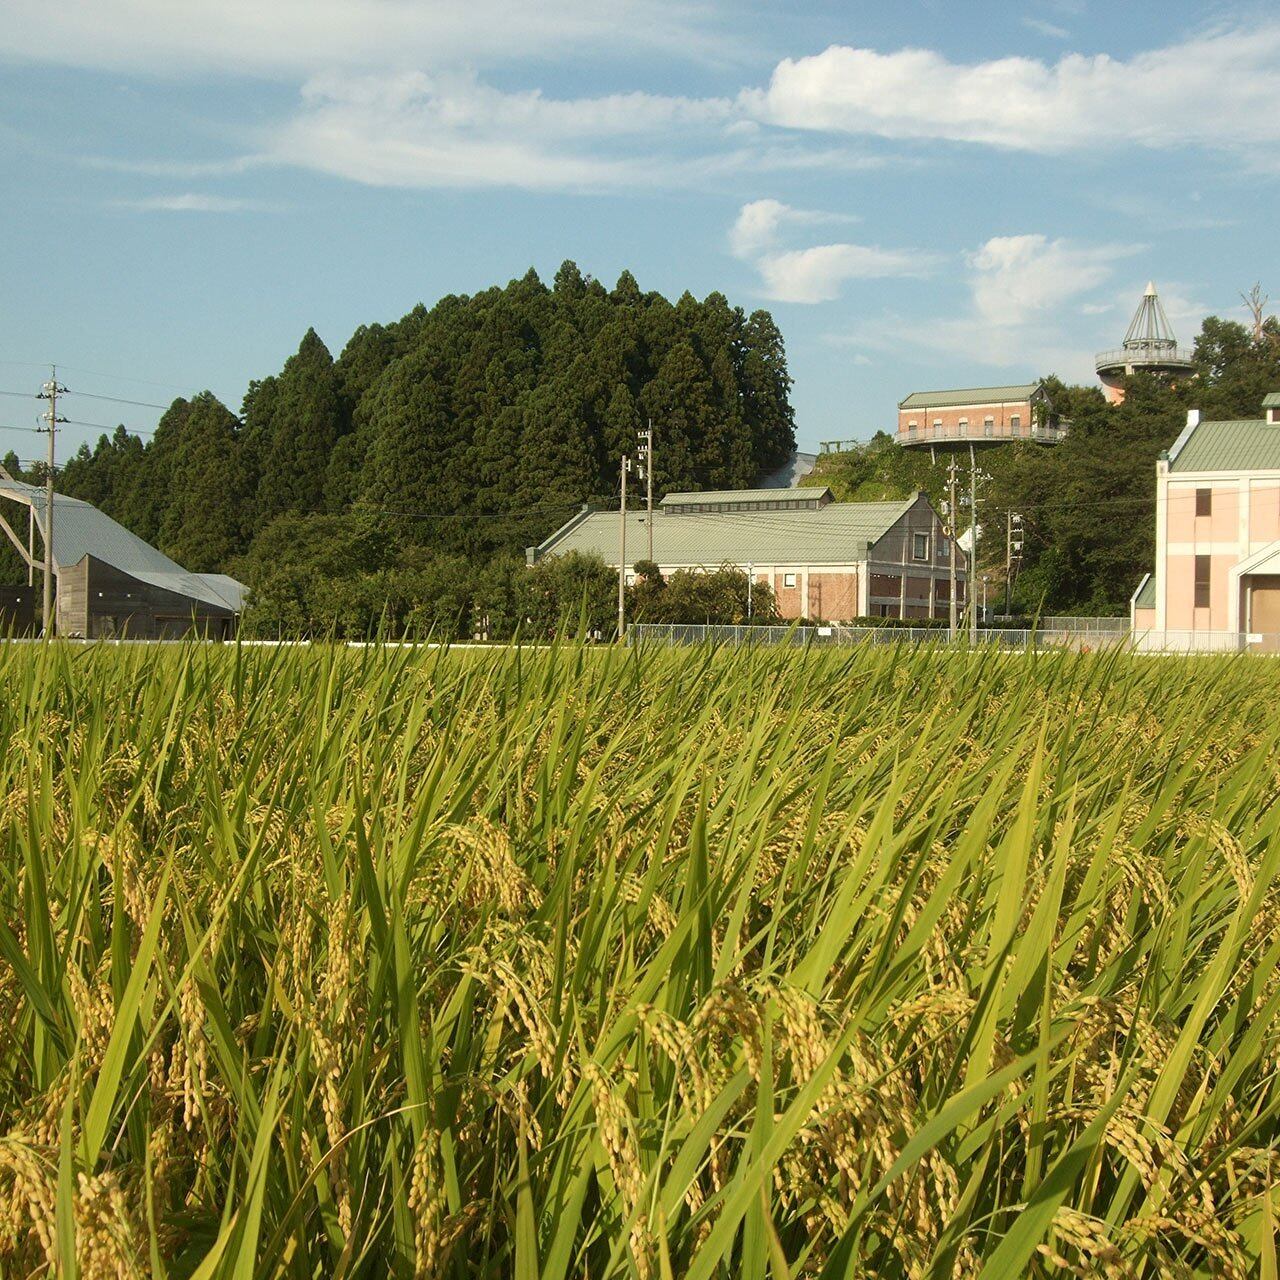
1238, 445
80, 529
969, 395
1271, 400
1145, 596
835, 534
808, 493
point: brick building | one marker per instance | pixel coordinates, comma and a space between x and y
1216, 583
979, 416
831, 560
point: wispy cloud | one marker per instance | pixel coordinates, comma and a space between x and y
416, 130
444, 127
1046, 28
1025, 295
294, 38
816, 273
195, 202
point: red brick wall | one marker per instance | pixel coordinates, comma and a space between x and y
975, 415
833, 596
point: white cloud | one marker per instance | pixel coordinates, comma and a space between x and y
1045, 28
1215, 90
416, 130
1023, 312
760, 221
194, 202
293, 38
1015, 279
816, 273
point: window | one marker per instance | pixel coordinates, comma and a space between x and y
912, 425
1015, 422
988, 426
964, 424
788, 579
1204, 574
937, 424
920, 546
1204, 502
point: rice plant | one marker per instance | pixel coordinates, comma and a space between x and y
572, 962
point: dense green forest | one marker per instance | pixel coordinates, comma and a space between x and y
433, 450
400, 483
1087, 504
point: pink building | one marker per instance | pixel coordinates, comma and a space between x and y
979, 416
1216, 583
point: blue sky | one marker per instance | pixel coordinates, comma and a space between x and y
924, 194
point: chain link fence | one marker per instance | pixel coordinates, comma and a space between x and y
1044, 636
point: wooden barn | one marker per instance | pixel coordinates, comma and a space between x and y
110, 584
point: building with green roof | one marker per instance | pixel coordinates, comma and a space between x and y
979, 417
1216, 582
823, 559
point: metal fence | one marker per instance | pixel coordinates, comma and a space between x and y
1042, 637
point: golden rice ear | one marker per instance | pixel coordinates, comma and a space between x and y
666, 963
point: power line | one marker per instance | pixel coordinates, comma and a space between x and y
21, 395
142, 404
106, 426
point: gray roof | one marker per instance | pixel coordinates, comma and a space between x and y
803, 493
80, 529
837, 533
970, 395
1238, 445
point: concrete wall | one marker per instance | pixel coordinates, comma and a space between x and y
1244, 519
98, 601
900, 585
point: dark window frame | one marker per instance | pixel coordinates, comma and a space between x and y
917, 541
1204, 502
1203, 581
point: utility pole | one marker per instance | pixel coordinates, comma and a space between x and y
622, 553
645, 451
751, 573
50, 393
951, 542
971, 577
1012, 547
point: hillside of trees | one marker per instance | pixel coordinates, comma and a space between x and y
1087, 504
438, 447
400, 483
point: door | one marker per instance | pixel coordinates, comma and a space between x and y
1264, 611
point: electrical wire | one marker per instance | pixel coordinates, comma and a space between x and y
93, 395
106, 426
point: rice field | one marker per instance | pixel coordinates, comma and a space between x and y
577, 963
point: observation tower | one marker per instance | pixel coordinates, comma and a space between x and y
1149, 347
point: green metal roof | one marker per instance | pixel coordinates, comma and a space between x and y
1239, 445
805, 493
1271, 400
970, 395
837, 533
1145, 596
